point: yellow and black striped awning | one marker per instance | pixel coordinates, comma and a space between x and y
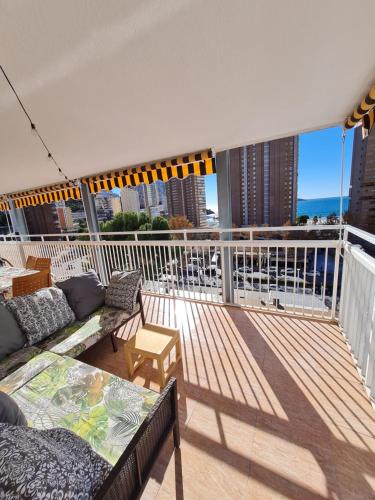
202, 163
48, 194
4, 205
366, 106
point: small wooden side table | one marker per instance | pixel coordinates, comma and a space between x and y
153, 342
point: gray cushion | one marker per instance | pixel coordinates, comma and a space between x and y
52, 463
42, 313
11, 336
10, 412
122, 290
85, 293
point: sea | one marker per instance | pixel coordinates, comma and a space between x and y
322, 207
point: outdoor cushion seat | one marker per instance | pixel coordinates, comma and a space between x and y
17, 359
58, 337
24, 373
74, 339
52, 463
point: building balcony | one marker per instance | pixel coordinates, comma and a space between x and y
277, 373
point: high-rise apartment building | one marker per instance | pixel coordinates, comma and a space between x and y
187, 197
130, 200
103, 202
42, 219
264, 183
152, 198
362, 189
116, 204
65, 216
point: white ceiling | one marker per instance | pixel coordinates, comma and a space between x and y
117, 82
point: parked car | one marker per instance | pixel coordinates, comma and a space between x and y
311, 274
289, 270
244, 270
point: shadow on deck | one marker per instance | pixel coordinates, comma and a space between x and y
270, 406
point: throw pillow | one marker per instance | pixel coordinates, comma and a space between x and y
42, 313
122, 290
52, 463
10, 412
85, 293
11, 336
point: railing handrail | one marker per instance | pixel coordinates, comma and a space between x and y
192, 243
370, 238
361, 256
264, 273
248, 229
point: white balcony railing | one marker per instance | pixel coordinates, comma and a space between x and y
357, 305
327, 278
298, 276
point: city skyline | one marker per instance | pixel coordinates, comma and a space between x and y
319, 158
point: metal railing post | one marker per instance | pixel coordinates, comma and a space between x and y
224, 197
21, 251
93, 226
335, 282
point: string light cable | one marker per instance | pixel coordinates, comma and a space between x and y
34, 129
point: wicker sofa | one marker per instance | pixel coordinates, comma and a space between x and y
75, 338
124, 423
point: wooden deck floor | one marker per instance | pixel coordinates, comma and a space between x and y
270, 407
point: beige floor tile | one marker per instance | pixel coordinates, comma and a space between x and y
270, 407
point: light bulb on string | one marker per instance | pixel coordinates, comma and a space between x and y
34, 130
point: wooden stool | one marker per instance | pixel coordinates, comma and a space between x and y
153, 342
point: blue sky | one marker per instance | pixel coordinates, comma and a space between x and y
319, 167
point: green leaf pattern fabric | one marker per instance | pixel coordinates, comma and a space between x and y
17, 359
101, 408
26, 372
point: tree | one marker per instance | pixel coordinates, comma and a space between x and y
75, 205
179, 222
145, 227
123, 221
315, 219
302, 220
143, 219
160, 224
332, 219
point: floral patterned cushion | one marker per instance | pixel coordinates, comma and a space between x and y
101, 408
52, 463
14, 361
42, 313
122, 290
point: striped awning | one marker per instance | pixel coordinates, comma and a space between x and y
48, 194
366, 106
202, 163
4, 205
